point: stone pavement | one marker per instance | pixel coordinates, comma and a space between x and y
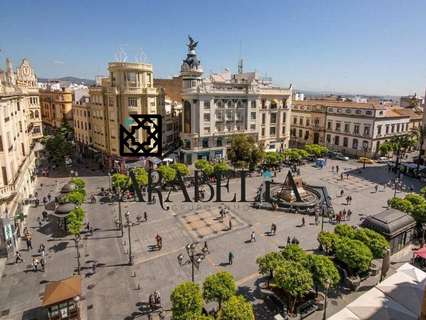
115, 290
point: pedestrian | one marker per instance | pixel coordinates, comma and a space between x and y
342, 192
49, 196
347, 176
230, 224
145, 216
273, 229
341, 176
350, 199
303, 221
44, 215
230, 258
337, 169
316, 218
376, 187
349, 214
205, 249
332, 168
18, 257
344, 215
35, 264
252, 237
29, 244
40, 224
42, 263
44, 200
87, 227
347, 200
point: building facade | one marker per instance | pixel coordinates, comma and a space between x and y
355, 129
20, 128
56, 106
223, 105
128, 90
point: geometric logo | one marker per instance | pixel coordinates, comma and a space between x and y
146, 127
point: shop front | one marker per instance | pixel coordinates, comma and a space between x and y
7, 237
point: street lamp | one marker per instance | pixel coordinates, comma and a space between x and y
195, 258
395, 183
120, 217
77, 241
127, 215
365, 148
322, 216
110, 182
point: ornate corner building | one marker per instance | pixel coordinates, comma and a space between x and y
223, 105
20, 128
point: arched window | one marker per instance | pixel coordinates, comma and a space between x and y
36, 114
31, 114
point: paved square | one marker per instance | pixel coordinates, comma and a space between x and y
206, 223
353, 184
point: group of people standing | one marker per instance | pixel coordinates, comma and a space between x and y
37, 262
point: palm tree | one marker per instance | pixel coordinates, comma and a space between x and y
400, 145
419, 133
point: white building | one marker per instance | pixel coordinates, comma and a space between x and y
20, 127
222, 105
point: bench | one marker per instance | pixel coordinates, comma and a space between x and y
307, 308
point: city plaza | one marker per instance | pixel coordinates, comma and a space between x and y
113, 289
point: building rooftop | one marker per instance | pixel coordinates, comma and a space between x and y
172, 87
63, 290
389, 222
341, 104
409, 112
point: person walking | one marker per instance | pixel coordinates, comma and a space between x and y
288, 240
273, 229
29, 244
303, 221
252, 237
341, 176
376, 187
18, 257
332, 168
349, 214
42, 264
205, 249
49, 197
230, 258
337, 169
316, 218
145, 216
35, 264
230, 224
342, 192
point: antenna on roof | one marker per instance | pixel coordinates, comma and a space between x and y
240, 62
141, 57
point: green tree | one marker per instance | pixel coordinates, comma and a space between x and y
375, 241
181, 168
345, 230
354, 254
204, 166
419, 213
273, 158
419, 133
141, 176
58, 148
79, 183
400, 145
316, 150
121, 181
268, 263
423, 191
221, 168
236, 308
324, 272
294, 154
167, 173
244, 151
187, 301
385, 148
327, 241
219, 287
415, 199
76, 197
295, 279
294, 252
401, 204
75, 222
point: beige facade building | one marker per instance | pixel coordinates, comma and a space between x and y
353, 128
20, 128
56, 106
129, 89
223, 105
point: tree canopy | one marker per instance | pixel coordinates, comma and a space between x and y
316, 150
354, 254
236, 308
167, 173
205, 166
269, 262
181, 168
244, 151
75, 221
219, 287
187, 302
324, 272
121, 181
295, 253
328, 241
375, 241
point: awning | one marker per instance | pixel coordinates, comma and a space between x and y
413, 272
421, 253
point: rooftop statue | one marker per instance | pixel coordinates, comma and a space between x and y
192, 43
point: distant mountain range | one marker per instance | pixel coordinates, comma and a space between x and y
69, 79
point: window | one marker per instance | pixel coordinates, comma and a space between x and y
284, 116
393, 128
355, 144
263, 118
308, 122
294, 120
329, 125
397, 127
301, 121
131, 76
263, 103
207, 117
253, 115
387, 129
263, 132
358, 111
369, 112
347, 126
345, 141
366, 131
273, 118
300, 133
306, 135
336, 140
253, 104
273, 105
379, 129
132, 101
20, 127
205, 143
356, 129
1, 143
272, 131
207, 104
219, 142
207, 129
283, 130
328, 138
4, 174
338, 126
252, 127
293, 132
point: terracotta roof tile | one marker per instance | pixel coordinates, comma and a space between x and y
62, 290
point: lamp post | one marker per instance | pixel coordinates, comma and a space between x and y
120, 217
322, 216
324, 316
395, 183
195, 258
127, 215
365, 148
110, 182
77, 241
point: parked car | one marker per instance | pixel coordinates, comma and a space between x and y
365, 160
337, 155
383, 160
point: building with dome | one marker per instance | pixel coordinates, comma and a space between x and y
221, 105
20, 128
